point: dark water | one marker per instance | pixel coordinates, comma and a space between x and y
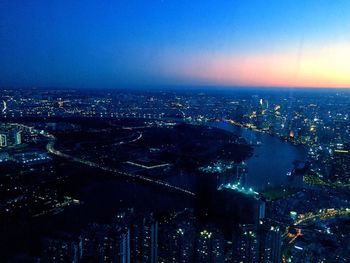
272, 159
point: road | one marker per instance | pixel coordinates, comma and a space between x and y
323, 214
50, 148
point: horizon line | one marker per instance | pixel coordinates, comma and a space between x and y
179, 86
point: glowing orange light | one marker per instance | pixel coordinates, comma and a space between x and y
316, 66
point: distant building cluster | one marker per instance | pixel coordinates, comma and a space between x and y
320, 122
134, 134
10, 136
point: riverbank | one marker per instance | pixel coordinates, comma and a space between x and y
262, 172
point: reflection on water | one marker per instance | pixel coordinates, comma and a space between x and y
272, 159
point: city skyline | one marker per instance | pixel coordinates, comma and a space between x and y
148, 131
138, 43
107, 176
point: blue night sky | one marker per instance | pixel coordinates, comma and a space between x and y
175, 42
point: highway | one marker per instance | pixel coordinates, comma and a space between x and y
139, 137
50, 148
323, 214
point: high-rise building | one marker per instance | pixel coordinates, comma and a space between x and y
143, 235
60, 251
148, 237
104, 244
17, 137
246, 247
10, 137
3, 140
210, 246
181, 245
177, 235
270, 243
341, 163
260, 243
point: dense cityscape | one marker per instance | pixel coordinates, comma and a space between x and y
175, 131
174, 175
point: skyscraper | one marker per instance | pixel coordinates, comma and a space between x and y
60, 251
246, 247
210, 246
271, 243
104, 244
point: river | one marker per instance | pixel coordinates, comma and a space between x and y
271, 160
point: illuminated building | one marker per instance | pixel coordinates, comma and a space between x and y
31, 158
10, 137
341, 164
142, 235
102, 244
210, 246
270, 243
3, 140
149, 240
17, 137
232, 173
247, 245
181, 243
60, 251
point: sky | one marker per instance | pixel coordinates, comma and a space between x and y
120, 43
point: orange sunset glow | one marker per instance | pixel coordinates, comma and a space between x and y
327, 66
